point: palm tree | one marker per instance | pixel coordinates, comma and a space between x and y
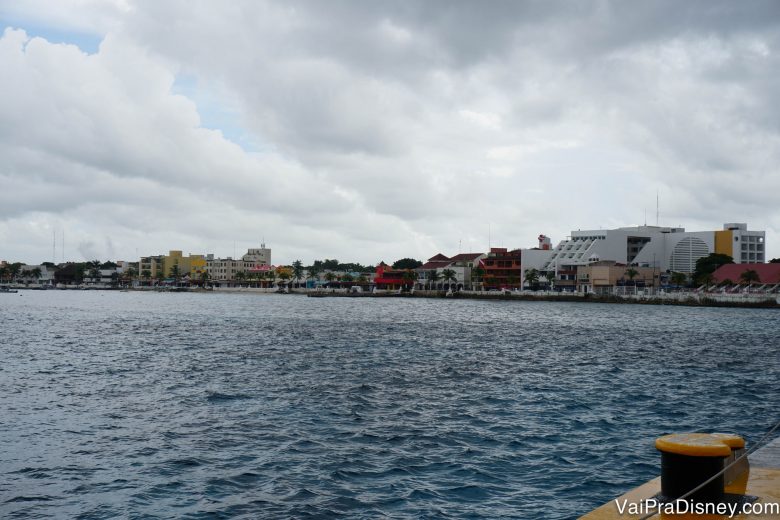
476, 275
204, 278
94, 270
14, 269
706, 280
239, 276
130, 274
312, 274
749, 277
35, 273
433, 277
631, 273
550, 275
449, 276
175, 273
329, 276
532, 278
146, 274
678, 279
297, 271
410, 276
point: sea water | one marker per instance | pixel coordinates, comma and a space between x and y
154, 405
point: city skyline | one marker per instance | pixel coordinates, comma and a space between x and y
370, 132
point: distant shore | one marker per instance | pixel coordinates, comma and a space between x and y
689, 299
684, 298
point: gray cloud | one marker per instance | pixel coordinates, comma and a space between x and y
389, 129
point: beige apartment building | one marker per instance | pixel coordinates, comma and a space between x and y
602, 277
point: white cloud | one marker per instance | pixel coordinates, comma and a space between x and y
383, 131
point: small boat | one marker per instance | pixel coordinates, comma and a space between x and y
6, 289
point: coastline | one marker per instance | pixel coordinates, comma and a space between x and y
687, 299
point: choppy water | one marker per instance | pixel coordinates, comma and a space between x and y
267, 406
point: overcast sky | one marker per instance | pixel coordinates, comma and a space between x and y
370, 131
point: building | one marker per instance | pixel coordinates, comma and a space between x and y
502, 269
665, 248
225, 271
258, 256
462, 265
740, 244
162, 266
150, 267
42, 274
604, 276
388, 278
767, 273
192, 265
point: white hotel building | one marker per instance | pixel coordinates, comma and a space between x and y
664, 248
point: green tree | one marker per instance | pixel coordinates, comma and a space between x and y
706, 279
550, 275
631, 273
314, 270
36, 273
204, 277
329, 276
329, 264
406, 263
433, 278
94, 270
174, 272
449, 276
678, 279
239, 276
347, 278
15, 270
775, 261
410, 277
146, 274
749, 277
709, 264
476, 275
284, 273
532, 278
297, 271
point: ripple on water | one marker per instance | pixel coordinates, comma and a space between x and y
203, 406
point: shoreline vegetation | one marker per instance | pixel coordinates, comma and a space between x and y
683, 298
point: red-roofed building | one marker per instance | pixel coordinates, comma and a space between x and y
767, 273
389, 278
461, 265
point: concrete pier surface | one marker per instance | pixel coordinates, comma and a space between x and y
768, 456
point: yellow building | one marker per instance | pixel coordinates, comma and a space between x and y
191, 265
161, 266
